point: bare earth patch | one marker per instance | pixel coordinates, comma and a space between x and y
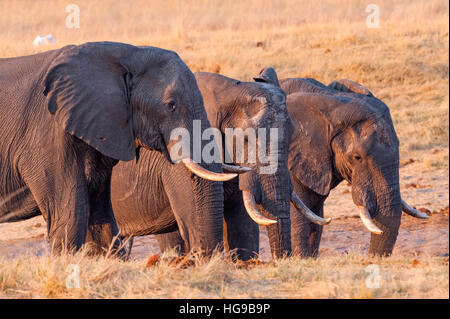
344, 234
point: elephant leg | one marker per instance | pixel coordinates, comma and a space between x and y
316, 231
306, 236
241, 233
171, 240
300, 234
65, 206
130, 241
103, 234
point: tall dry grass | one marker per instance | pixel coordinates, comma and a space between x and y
330, 277
404, 62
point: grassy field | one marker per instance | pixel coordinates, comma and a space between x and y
352, 276
404, 62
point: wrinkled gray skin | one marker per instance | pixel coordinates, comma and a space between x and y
342, 133
229, 104
69, 115
234, 104
152, 196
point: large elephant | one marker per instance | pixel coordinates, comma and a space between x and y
69, 115
152, 196
343, 132
260, 195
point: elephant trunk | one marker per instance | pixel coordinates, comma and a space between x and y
383, 244
280, 238
383, 229
386, 220
276, 204
208, 218
269, 204
380, 206
206, 227
199, 225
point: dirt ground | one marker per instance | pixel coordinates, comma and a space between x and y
421, 187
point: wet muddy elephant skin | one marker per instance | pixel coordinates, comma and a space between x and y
69, 115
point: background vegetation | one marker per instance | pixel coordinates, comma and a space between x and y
404, 62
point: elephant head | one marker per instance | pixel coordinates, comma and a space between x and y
118, 98
343, 132
256, 131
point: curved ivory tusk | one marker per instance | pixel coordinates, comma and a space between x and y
412, 211
367, 220
235, 169
204, 173
252, 210
300, 206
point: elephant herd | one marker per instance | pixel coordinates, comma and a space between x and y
87, 141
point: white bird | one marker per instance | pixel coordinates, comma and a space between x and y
44, 40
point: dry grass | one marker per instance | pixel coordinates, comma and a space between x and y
405, 63
328, 277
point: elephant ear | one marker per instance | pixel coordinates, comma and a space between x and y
310, 156
345, 85
87, 90
268, 75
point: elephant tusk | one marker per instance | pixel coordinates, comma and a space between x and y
302, 208
412, 211
252, 210
235, 169
367, 220
204, 173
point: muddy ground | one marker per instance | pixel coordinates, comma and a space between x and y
421, 187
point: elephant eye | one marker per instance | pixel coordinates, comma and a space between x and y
171, 105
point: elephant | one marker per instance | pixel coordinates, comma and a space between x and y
153, 196
343, 132
69, 115
259, 196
